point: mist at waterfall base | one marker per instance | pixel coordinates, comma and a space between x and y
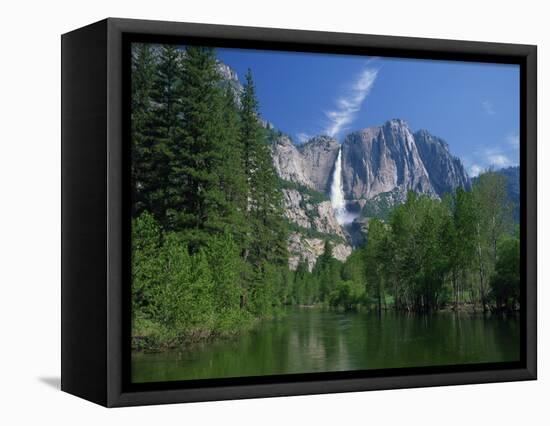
337, 198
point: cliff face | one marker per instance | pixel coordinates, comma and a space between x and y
315, 223
309, 214
319, 155
379, 165
446, 171
308, 249
381, 159
375, 160
309, 168
309, 164
289, 163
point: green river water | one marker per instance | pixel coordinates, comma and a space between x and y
310, 340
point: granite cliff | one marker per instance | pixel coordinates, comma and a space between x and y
379, 165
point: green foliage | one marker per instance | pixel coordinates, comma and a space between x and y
432, 253
206, 171
347, 294
494, 219
506, 278
314, 287
149, 147
327, 272
265, 209
415, 237
223, 257
209, 237
376, 264
180, 297
300, 284
262, 291
312, 233
380, 207
146, 267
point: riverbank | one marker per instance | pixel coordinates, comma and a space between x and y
474, 308
151, 337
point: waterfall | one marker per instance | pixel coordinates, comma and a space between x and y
337, 193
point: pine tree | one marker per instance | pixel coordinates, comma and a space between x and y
166, 94
300, 277
223, 258
207, 171
233, 181
322, 271
266, 247
265, 209
142, 169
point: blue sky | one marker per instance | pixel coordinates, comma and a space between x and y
473, 106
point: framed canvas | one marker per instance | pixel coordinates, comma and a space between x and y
254, 212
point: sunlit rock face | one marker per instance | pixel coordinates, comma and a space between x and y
307, 249
319, 155
309, 164
380, 159
319, 216
372, 167
374, 160
446, 171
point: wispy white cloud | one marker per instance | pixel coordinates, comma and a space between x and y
302, 137
496, 157
499, 160
474, 170
488, 107
349, 105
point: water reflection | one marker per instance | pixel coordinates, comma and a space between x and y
312, 340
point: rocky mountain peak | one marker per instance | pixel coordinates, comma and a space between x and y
375, 160
425, 135
381, 159
396, 124
379, 165
446, 171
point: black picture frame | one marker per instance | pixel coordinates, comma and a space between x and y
95, 211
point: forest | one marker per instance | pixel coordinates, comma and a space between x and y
461, 252
209, 237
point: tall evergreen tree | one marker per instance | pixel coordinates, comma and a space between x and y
166, 95
207, 174
265, 203
143, 142
233, 180
326, 271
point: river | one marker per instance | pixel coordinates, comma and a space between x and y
315, 340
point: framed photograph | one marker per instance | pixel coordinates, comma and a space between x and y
253, 212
